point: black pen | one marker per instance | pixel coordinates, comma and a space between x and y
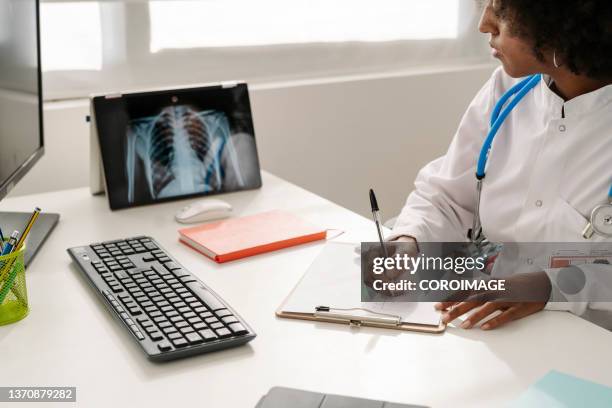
376, 216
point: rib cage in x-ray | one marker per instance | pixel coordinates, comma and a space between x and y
182, 151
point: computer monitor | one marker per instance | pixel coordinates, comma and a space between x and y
21, 118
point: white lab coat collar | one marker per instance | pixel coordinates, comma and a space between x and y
580, 106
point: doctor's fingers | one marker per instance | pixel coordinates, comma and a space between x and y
486, 310
459, 310
518, 311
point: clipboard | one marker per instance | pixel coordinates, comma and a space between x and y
329, 292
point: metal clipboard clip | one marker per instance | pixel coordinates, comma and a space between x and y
344, 315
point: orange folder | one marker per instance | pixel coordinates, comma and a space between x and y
236, 238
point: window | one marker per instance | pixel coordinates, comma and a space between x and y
100, 46
244, 23
71, 36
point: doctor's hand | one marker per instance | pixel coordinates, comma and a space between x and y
401, 246
496, 312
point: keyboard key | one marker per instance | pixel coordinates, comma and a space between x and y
144, 322
164, 346
237, 328
175, 335
160, 319
179, 342
223, 313
229, 319
223, 332
156, 335
199, 326
194, 338
186, 330
180, 273
217, 325
135, 311
208, 335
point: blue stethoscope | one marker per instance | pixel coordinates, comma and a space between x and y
601, 216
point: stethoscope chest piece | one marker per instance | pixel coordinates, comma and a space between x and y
601, 222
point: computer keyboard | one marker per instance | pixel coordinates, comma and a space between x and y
167, 310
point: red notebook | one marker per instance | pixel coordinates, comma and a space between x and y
236, 238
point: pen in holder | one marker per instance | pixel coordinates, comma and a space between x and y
13, 293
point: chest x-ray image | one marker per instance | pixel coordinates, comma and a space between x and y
179, 145
181, 152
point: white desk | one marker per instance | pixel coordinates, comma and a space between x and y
69, 339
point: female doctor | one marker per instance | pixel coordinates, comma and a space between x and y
548, 164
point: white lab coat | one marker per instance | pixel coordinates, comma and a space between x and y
549, 166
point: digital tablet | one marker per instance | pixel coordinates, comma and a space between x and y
170, 144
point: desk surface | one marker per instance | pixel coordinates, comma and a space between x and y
69, 338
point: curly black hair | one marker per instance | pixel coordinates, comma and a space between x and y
578, 31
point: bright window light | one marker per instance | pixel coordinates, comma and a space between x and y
244, 23
71, 36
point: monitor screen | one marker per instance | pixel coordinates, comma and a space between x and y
21, 142
164, 145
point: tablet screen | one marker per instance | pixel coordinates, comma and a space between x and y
165, 145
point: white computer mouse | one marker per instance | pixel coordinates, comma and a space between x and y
204, 210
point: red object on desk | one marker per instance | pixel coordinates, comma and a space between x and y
236, 238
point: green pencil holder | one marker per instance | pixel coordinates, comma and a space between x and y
13, 292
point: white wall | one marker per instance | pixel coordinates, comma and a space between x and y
336, 137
